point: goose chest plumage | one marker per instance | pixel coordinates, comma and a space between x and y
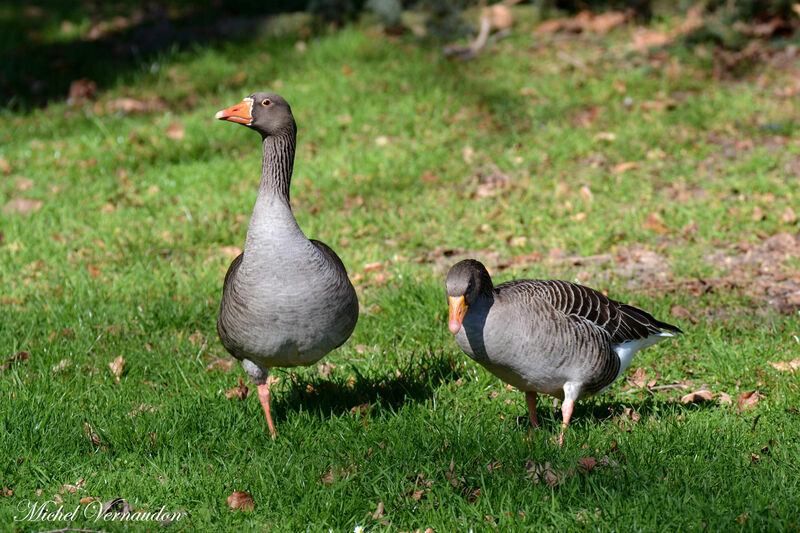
547, 336
286, 300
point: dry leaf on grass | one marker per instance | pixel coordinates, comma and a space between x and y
81, 91
626, 166
698, 396
681, 312
117, 366
654, 223
90, 434
143, 407
639, 378
240, 391
786, 366
724, 398
117, 505
22, 206
175, 131
325, 368
225, 364
587, 463
327, 478
17, 358
63, 364
72, 488
241, 500
380, 512
748, 400
197, 338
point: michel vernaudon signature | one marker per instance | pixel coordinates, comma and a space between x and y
50, 511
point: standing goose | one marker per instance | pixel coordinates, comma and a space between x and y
548, 336
286, 300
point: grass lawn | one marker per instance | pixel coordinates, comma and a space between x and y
646, 174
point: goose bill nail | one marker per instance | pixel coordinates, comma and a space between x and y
458, 308
241, 113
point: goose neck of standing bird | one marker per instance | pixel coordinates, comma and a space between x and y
277, 165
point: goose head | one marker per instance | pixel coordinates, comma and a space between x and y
267, 113
466, 282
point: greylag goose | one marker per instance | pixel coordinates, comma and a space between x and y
548, 336
286, 300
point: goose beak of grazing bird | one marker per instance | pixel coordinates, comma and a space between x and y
241, 113
458, 308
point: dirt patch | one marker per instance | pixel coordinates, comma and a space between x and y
761, 270
758, 270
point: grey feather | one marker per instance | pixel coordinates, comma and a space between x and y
286, 300
539, 335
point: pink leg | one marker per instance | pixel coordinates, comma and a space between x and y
264, 397
566, 414
530, 399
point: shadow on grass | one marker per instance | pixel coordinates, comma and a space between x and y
42, 50
416, 381
615, 410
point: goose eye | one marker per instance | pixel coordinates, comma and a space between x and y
265, 102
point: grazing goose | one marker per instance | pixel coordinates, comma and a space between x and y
548, 336
286, 300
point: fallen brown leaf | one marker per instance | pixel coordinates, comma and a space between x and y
6, 492
72, 488
241, 500
681, 312
380, 512
607, 21
22, 206
64, 363
89, 499
81, 91
90, 434
698, 396
175, 131
240, 391
644, 38
587, 463
654, 223
787, 366
360, 410
143, 407
327, 478
224, 364
117, 366
16, 358
639, 378
117, 505
126, 105
748, 400
499, 16
789, 216
325, 368
626, 166
23, 184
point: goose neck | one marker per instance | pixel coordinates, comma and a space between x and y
277, 165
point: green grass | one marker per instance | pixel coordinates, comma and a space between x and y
126, 257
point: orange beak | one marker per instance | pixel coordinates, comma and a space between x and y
457, 311
241, 113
